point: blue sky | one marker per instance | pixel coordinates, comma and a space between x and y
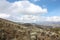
53, 6
30, 10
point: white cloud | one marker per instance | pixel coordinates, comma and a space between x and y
4, 5
3, 15
36, 0
53, 18
25, 7
28, 18
34, 19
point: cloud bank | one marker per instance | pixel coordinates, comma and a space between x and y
24, 11
2, 15
25, 7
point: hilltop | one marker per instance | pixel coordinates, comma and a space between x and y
10, 30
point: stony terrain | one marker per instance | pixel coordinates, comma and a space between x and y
16, 31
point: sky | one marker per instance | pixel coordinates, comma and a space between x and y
30, 11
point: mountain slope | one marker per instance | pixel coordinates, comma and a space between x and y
26, 31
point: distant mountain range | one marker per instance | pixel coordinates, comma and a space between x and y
53, 24
42, 24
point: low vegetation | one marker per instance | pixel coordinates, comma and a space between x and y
16, 31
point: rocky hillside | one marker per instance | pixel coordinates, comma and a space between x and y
16, 31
